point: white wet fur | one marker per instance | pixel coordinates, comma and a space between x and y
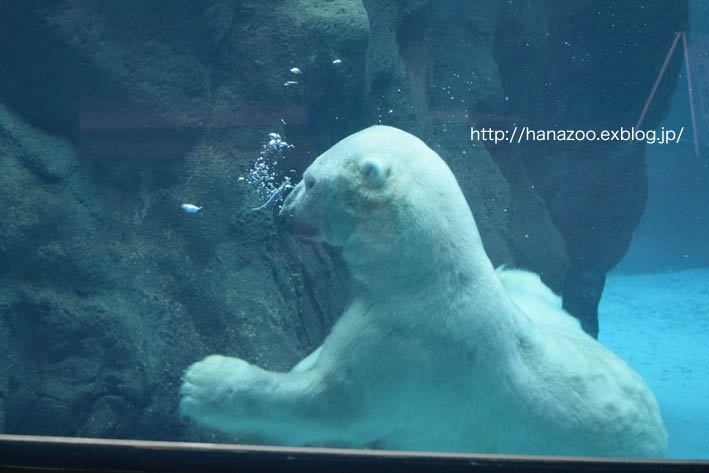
437, 350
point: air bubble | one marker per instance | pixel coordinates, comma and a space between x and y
263, 176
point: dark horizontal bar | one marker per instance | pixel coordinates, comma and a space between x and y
51, 454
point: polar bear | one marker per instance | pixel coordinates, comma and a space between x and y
437, 350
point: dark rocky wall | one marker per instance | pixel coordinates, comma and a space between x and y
109, 291
566, 210
114, 113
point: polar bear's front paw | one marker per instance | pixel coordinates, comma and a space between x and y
215, 391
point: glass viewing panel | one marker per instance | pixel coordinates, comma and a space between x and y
454, 226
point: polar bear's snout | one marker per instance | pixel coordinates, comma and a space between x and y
286, 217
287, 207
297, 214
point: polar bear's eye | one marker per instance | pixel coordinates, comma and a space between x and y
309, 181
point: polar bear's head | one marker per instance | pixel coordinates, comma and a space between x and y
381, 194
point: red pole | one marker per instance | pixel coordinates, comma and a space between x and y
691, 94
657, 81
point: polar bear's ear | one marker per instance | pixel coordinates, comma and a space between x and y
375, 172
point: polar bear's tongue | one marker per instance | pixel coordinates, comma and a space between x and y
304, 231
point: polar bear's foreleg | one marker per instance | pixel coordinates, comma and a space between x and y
308, 362
294, 408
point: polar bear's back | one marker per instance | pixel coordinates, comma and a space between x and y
598, 403
536, 299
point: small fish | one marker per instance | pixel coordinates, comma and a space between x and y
295, 70
337, 61
191, 208
271, 200
289, 83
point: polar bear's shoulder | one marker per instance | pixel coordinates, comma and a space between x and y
536, 299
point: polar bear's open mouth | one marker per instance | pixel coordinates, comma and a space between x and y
305, 231
297, 226
294, 220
